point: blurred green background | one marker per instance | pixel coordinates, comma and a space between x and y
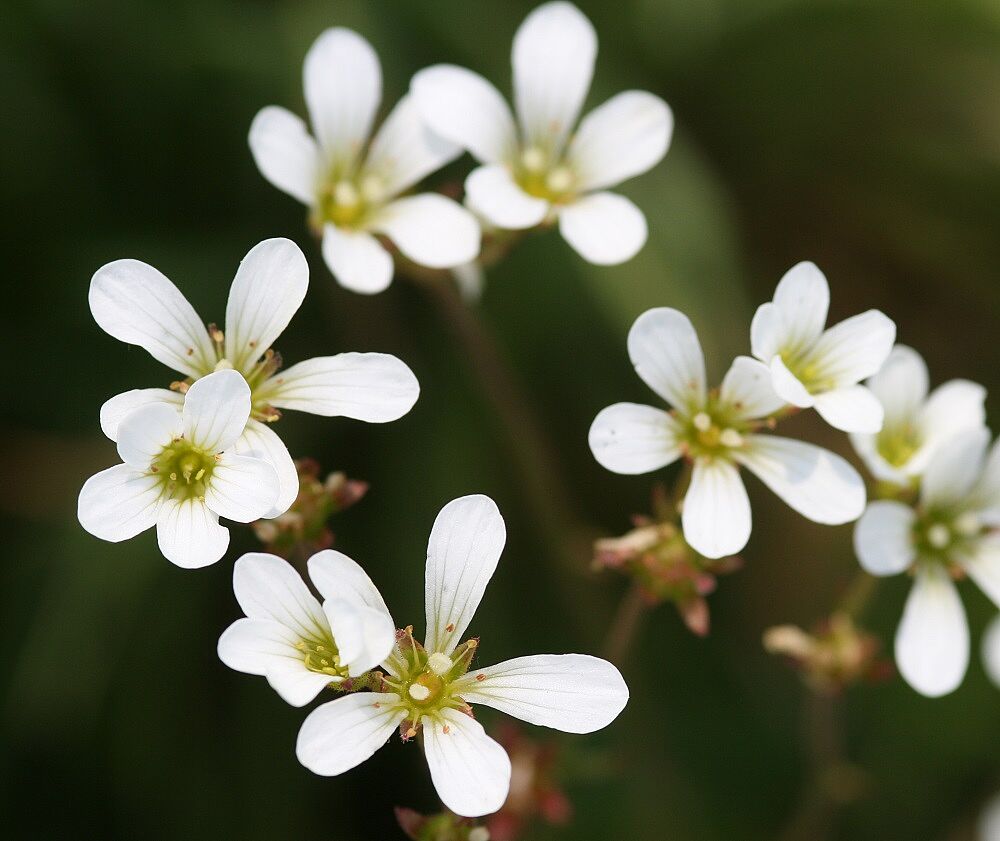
862, 135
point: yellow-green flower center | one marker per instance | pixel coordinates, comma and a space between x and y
184, 470
348, 199
944, 536
897, 444
543, 177
808, 369
322, 657
712, 432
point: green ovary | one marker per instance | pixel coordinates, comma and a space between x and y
184, 470
711, 433
540, 176
428, 684
348, 199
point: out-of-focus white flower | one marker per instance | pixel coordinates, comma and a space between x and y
718, 431
298, 644
949, 532
989, 821
536, 170
135, 303
353, 187
991, 651
916, 424
821, 368
180, 473
432, 685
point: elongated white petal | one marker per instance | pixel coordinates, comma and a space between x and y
285, 153
901, 385
189, 534
268, 588
604, 228
953, 407
136, 304
357, 260
470, 771
430, 229
113, 411
574, 693
216, 410
336, 576
242, 488
343, 87
788, 386
624, 137
553, 59
364, 636
260, 441
268, 289
803, 299
818, 484
146, 431
932, 642
665, 351
991, 660
767, 332
854, 349
118, 503
851, 408
405, 150
466, 109
747, 390
263, 647
341, 734
491, 192
883, 537
982, 563
630, 438
462, 554
373, 387
954, 469
716, 512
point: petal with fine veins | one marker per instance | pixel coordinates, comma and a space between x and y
189, 534
954, 469
716, 511
491, 192
114, 410
854, 349
119, 503
259, 440
430, 229
242, 488
803, 299
357, 260
285, 153
851, 408
146, 431
630, 438
665, 351
341, 734
216, 410
337, 576
748, 391
268, 588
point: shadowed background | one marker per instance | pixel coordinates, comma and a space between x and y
864, 136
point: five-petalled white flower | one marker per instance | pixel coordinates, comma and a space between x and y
949, 532
298, 644
353, 188
535, 171
430, 687
813, 367
135, 303
718, 431
180, 473
916, 424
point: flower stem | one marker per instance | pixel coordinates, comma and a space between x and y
625, 625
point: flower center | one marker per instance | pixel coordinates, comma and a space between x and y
347, 200
184, 470
322, 657
711, 433
942, 536
543, 177
807, 369
897, 445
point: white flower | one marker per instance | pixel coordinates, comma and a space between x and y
534, 170
299, 645
135, 303
991, 651
916, 424
351, 186
947, 532
181, 473
432, 686
811, 366
718, 431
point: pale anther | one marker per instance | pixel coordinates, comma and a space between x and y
938, 536
419, 692
702, 422
439, 663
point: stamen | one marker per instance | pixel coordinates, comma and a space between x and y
702, 422
344, 193
938, 536
439, 663
560, 179
419, 692
967, 524
731, 438
533, 159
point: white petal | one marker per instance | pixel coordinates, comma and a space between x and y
430, 229
285, 153
357, 260
263, 647
470, 771
259, 440
462, 554
373, 387
189, 534
553, 58
932, 642
336, 576
815, 482
466, 109
491, 192
767, 332
788, 386
989, 821
991, 660
268, 289
242, 488
982, 563
471, 281
136, 304
629, 438
404, 150
747, 390
216, 410
574, 693
118, 503
803, 299
146, 431
624, 137
954, 469
604, 228
343, 86
883, 537
986, 493
854, 349
901, 385
851, 408
665, 351
716, 512
364, 636
341, 734
952, 408
113, 411
268, 587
